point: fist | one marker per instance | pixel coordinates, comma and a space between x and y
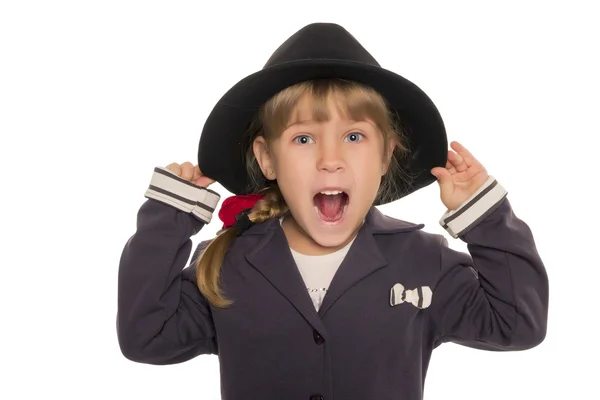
190, 173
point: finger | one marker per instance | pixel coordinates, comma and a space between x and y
204, 181
202, 174
466, 155
444, 179
197, 173
187, 171
457, 161
175, 168
450, 167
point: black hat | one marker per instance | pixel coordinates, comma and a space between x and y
320, 50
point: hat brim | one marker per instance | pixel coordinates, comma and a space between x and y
221, 152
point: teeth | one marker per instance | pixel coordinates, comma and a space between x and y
331, 192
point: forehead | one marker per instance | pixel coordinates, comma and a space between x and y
321, 105
320, 108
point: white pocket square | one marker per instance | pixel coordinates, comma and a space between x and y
419, 297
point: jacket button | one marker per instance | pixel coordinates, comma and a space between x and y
318, 340
316, 398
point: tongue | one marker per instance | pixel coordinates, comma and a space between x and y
329, 205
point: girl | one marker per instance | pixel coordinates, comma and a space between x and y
309, 291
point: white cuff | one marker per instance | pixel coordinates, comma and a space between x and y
167, 187
458, 222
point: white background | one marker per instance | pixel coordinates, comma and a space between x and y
94, 94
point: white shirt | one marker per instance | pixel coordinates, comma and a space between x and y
318, 271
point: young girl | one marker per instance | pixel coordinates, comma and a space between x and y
310, 292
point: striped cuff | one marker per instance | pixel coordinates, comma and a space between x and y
471, 211
167, 187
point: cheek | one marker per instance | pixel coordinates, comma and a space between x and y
294, 175
368, 164
366, 171
369, 179
292, 166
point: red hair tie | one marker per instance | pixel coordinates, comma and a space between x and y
235, 206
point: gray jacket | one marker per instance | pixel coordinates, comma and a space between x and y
399, 293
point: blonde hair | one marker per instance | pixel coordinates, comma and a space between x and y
358, 102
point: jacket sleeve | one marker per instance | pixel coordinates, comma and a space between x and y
496, 297
162, 317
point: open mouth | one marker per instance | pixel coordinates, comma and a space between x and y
331, 205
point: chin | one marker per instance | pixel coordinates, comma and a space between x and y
328, 240
328, 234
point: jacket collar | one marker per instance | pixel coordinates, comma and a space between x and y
383, 224
378, 222
272, 258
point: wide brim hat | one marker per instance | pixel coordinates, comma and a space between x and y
320, 50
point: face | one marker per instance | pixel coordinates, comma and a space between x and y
312, 161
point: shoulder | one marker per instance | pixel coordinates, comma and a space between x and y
200, 248
400, 235
380, 223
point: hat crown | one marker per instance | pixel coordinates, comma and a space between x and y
326, 41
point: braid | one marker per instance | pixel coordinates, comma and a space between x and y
272, 205
208, 267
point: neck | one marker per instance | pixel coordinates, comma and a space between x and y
301, 241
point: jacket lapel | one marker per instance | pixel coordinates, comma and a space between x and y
364, 256
362, 259
273, 258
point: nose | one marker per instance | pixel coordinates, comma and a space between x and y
331, 158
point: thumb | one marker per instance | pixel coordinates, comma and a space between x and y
203, 181
444, 178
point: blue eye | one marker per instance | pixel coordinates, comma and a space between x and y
355, 136
302, 139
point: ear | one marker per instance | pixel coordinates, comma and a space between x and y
264, 158
387, 159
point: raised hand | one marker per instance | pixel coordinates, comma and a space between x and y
190, 173
461, 178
